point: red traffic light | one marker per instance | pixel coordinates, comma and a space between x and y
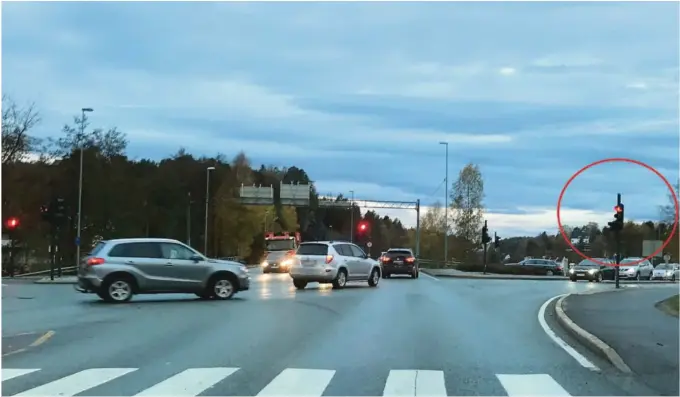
12, 223
618, 208
362, 226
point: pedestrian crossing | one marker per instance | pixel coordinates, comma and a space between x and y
290, 382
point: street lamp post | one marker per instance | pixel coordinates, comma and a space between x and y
351, 218
446, 205
207, 201
80, 182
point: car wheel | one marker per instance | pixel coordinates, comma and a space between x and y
637, 276
673, 277
222, 287
340, 280
265, 271
650, 276
599, 277
417, 273
573, 279
374, 279
299, 284
117, 289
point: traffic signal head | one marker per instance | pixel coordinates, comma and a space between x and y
485, 234
363, 227
617, 224
12, 223
497, 241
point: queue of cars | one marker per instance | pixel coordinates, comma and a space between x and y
118, 269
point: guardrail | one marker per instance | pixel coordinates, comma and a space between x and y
438, 264
68, 269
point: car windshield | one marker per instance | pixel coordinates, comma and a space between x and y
664, 267
280, 245
588, 263
630, 260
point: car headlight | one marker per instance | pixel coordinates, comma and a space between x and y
669, 273
265, 264
591, 271
571, 270
287, 263
244, 268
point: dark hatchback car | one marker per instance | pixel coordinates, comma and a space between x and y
542, 267
591, 271
399, 261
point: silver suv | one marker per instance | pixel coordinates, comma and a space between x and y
117, 269
333, 262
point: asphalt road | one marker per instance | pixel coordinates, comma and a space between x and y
645, 337
406, 337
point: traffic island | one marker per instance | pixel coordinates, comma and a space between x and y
455, 273
623, 327
670, 305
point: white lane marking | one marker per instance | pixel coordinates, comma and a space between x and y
429, 276
559, 341
299, 382
430, 383
78, 382
191, 382
11, 373
531, 385
400, 382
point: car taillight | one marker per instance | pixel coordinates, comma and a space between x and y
410, 260
95, 261
384, 259
329, 259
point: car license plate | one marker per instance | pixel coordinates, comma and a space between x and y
398, 262
275, 265
580, 274
308, 262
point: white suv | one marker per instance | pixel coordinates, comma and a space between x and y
333, 262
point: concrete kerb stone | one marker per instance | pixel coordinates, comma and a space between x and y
589, 340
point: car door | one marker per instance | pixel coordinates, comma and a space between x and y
347, 257
363, 263
145, 261
649, 268
184, 275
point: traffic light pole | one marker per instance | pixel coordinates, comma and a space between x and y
53, 254
617, 236
484, 243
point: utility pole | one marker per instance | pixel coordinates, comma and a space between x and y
189, 219
207, 202
351, 218
446, 205
80, 182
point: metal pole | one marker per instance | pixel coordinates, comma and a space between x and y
351, 218
207, 201
418, 228
446, 205
189, 220
80, 184
618, 247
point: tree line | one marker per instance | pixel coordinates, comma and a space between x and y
124, 197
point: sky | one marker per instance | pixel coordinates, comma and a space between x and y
361, 94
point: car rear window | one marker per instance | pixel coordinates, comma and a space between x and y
312, 249
97, 248
399, 252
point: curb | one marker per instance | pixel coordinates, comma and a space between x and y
589, 340
496, 277
56, 281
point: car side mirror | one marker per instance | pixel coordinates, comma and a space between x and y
196, 258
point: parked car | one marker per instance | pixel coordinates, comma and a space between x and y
670, 271
640, 271
592, 271
333, 262
117, 269
540, 266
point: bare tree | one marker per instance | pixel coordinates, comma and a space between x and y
16, 123
433, 220
668, 211
467, 206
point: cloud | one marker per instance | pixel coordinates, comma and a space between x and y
542, 90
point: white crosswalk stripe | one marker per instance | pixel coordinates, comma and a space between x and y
294, 382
